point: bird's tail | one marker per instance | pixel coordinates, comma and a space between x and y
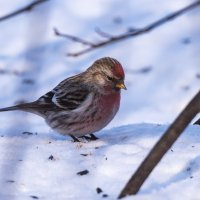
23, 107
36, 107
9, 108
33, 107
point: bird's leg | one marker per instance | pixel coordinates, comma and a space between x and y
74, 138
93, 137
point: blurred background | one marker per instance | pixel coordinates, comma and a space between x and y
162, 67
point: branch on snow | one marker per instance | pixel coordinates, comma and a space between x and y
161, 147
26, 8
129, 34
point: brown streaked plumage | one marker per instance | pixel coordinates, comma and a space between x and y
81, 104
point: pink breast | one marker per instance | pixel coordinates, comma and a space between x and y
109, 105
111, 101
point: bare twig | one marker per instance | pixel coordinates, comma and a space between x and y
112, 39
162, 146
73, 38
103, 34
26, 8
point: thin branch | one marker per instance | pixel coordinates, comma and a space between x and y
103, 34
26, 8
162, 146
129, 34
73, 38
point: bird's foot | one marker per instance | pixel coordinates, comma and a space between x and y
85, 137
92, 137
75, 139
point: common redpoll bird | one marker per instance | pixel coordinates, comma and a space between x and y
81, 104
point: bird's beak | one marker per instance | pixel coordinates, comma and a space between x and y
121, 85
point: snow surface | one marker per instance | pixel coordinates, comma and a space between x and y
162, 74
46, 165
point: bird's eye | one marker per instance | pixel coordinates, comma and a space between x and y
109, 78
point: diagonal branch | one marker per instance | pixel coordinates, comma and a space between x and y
129, 34
161, 147
73, 38
26, 8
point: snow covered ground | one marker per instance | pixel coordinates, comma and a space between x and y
44, 165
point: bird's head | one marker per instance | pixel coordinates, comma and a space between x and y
108, 73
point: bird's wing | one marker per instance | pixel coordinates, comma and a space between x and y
70, 94
72, 97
